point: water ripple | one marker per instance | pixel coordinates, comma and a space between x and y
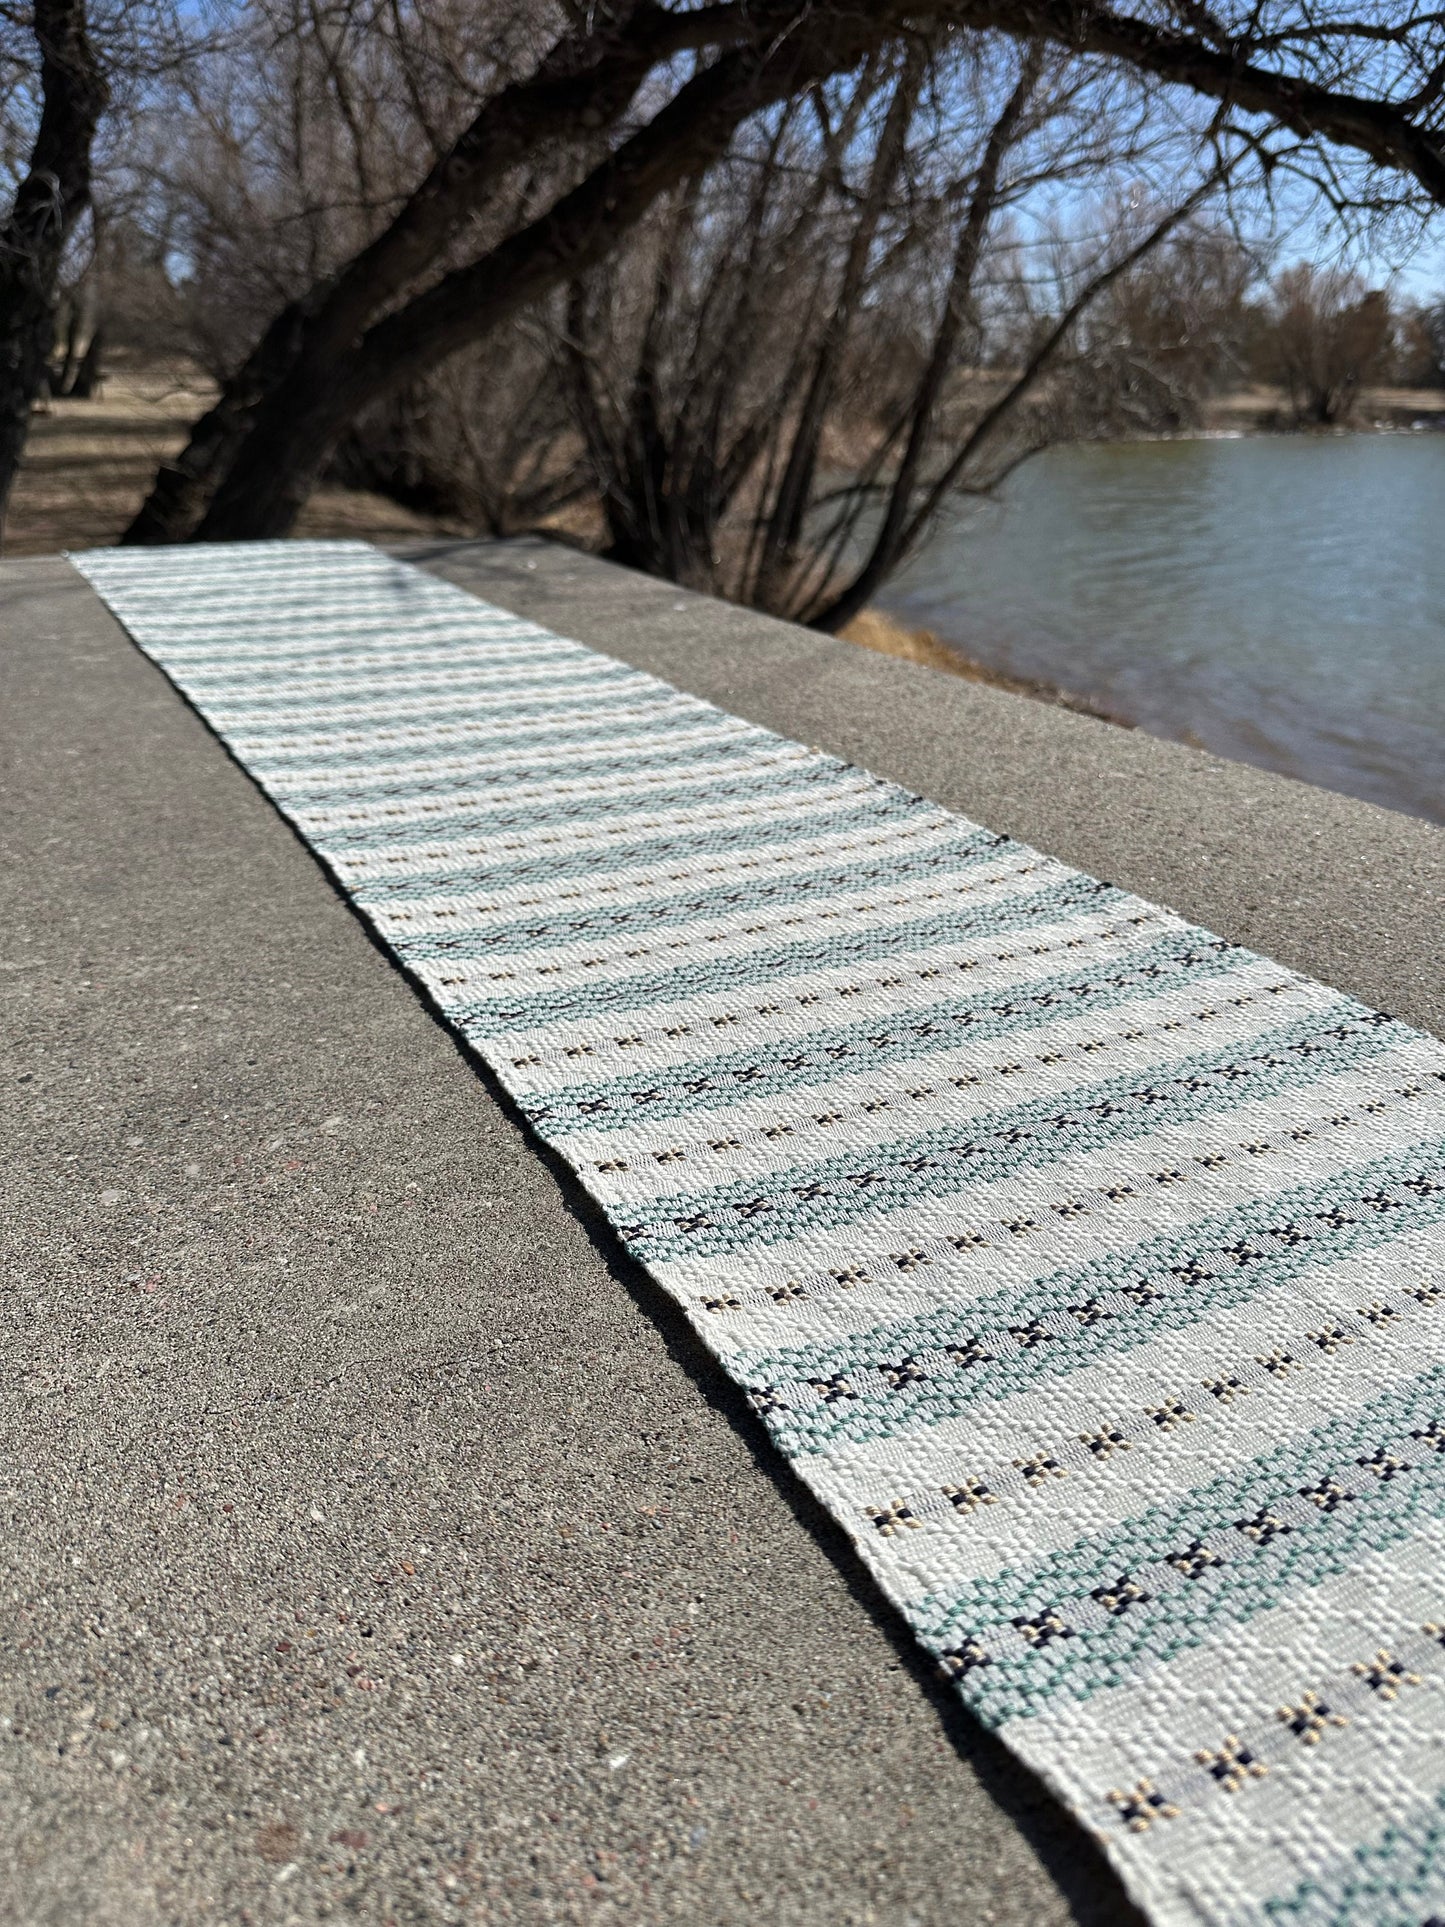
1280, 600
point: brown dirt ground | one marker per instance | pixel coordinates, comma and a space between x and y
89, 463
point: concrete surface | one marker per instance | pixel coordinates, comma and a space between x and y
380, 1545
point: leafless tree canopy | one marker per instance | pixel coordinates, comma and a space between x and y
1330, 334
863, 309
774, 277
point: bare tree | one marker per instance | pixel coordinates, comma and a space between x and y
1352, 105
806, 352
1166, 337
310, 371
1420, 344
1324, 334
49, 200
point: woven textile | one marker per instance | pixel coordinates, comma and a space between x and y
1089, 1268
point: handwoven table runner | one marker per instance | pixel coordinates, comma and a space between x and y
1087, 1267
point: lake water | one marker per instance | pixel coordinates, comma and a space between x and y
1279, 600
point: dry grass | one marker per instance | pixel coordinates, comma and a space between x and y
89, 464
873, 630
1259, 408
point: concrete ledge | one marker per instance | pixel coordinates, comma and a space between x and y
382, 1544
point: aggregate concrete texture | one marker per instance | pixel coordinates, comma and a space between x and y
380, 1544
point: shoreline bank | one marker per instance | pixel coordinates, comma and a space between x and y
1265, 411
886, 636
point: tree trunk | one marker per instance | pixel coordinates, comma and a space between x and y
183, 487
48, 202
63, 378
293, 430
888, 545
585, 83
91, 372
281, 456
778, 559
27, 318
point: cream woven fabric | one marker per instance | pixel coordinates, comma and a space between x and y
1089, 1268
